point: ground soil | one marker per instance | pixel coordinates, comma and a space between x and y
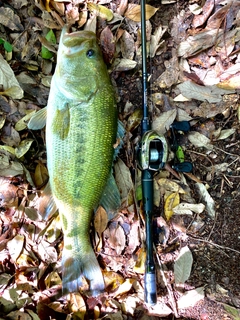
216, 245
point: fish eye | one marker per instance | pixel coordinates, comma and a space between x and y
90, 53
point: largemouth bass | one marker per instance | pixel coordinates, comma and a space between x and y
81, 130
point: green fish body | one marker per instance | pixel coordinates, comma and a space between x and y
81, 130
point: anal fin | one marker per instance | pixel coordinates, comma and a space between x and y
111, 199
47, 205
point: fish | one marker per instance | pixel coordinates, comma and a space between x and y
81, 130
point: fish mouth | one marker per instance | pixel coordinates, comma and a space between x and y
75, 39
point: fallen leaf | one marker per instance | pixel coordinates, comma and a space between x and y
46, 252
209, 110
134, 120
224, 134
170, 76
100, 10
122, 7
47, 46
123, 179
127, 45
199, 19
40, 175
190, 298
141, 260
171, 202
123, 64
187, 208
233, 312
22, 123
15, 246
10, 168
124, 287
155, 40
112, 279
100, 220
162, 123
170, 185
117, 237
77, 305
199, 42
52, 279
23, 147
211, 94
9, 81
207, 199
10, 20
230, 84
183, 265
18, 315
108, 45
199, 140
160, 309
134, 12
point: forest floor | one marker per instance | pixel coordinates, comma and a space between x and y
194, 76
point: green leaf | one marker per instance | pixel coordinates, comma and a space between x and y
7, 46
46, 54
50, 37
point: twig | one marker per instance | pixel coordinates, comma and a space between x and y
214, 244
168, 286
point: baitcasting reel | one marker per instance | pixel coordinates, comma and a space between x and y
153, 151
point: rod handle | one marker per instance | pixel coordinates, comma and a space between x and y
150, 289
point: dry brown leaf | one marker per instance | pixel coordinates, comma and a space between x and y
108, 45
172, 201
124, 287
211, 94
230, 84
100, 11
77, 305
15, 246
123, 64
122, 7
199, 19
134, 12
112, 279
170, 185
127, 46
117, 237
100, 220
199, 140
162, 123
10, 20
190, 298
9, 81
40, 175
23, 147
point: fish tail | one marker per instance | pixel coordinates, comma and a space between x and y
77, 265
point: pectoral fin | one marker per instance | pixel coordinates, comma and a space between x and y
38, 120
61, 122
111, 200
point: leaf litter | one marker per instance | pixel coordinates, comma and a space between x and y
203, 70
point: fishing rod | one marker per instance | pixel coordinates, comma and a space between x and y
152, 156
